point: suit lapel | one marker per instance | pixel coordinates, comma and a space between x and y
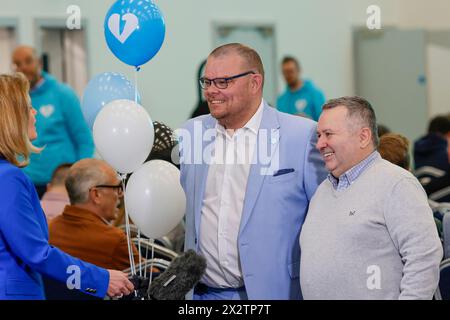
201, 172
268, 137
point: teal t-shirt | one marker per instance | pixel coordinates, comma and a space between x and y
61, 129
306, 101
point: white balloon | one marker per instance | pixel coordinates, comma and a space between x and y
154, 198
123, 134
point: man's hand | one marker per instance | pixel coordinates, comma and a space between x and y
119, 285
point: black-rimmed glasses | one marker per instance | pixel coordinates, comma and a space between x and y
118, 187
221, 83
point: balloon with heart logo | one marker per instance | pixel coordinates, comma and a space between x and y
134, 31
104, 88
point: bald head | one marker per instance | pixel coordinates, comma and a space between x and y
25, 50
86, 174
26, 60
250, 57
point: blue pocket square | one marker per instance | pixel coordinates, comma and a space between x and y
283, 171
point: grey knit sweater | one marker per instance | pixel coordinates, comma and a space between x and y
374, 240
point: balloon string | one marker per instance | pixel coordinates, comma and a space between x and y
140, 257
152, 243
146, 258
136, 84
127, 229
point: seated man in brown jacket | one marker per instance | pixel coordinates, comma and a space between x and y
83, 230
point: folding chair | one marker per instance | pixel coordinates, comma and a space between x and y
443, 289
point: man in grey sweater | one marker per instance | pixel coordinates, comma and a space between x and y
369, 232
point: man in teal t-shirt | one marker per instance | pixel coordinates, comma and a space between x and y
60, 125
301, 96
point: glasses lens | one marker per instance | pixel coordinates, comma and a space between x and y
221, 83
204, 83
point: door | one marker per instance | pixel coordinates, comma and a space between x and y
7, 44
390, 73
438, 71
262, 39
65, 55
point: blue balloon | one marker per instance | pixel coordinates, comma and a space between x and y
101, 90
134, 30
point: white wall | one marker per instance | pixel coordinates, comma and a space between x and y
438, 62
429, 15
318, 32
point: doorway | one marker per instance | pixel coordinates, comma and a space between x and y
260, 37
8, 41
64, 54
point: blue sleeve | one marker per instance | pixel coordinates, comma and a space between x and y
19, 224
315, 171
77, 127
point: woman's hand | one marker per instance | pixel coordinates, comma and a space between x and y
119, 285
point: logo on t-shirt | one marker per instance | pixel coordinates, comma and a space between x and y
47, 110
300, 105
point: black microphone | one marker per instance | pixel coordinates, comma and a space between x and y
180, 277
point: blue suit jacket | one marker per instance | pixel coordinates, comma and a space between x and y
24, 250
275, 206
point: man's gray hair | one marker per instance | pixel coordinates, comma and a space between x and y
82, 176
357, 109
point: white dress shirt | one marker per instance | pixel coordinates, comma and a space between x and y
223, 202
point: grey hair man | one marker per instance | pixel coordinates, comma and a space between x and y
84, 227
369, 232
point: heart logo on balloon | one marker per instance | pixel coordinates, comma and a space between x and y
131, 24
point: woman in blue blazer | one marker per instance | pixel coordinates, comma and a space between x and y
25, 253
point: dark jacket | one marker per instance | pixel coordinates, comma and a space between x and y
431, 150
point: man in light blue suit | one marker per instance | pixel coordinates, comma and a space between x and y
248, 172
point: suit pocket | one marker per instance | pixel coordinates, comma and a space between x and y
284, 177
294, 269
19, 287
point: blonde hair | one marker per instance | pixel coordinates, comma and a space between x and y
15, 112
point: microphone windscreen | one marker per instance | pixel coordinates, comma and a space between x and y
180, 277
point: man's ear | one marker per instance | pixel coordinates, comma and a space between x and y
94, 196
365, 137
257, 82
